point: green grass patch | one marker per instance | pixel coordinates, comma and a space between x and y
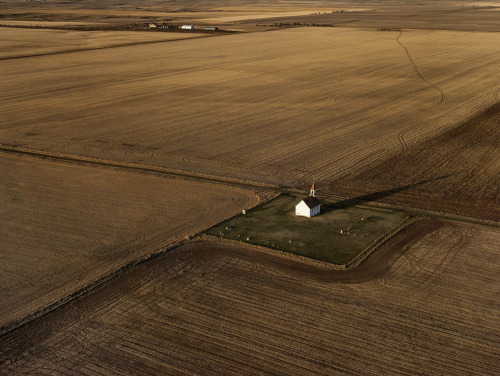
275, 225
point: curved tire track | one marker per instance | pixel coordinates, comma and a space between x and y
443, 97
404, 145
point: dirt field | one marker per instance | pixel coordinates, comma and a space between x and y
28, 42
427, 304
62, 226
456, 172
285, 107
397, 102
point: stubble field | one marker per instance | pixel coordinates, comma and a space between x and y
402, 116
17, 43
426, 304
455, 172
285, 107
63, 226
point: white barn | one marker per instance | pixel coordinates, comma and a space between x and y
187, 27
310, 206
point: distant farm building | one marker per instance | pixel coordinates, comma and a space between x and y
310, 206
165, 26
213, 28
187, 27
152, 25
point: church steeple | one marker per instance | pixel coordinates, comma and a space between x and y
313, 191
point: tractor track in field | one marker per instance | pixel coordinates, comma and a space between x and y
401, 137
443, 97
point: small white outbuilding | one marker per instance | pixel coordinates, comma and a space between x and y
187, 27
310, 206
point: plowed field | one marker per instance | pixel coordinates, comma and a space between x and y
426, 304
62, 226
457, 172
286, 107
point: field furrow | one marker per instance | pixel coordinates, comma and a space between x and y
457, 171
220, 308
283, 107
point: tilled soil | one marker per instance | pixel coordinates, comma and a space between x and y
285, 107
456, 172
63, 225
425, 302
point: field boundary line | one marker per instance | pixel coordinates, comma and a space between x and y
350, 265
235, 182
103, 47
138, 168
88, 288
361, 257
102, 280
274, 251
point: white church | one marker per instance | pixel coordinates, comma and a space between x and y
310, 206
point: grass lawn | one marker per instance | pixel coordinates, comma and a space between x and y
275, 225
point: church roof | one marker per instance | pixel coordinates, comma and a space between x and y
311, 201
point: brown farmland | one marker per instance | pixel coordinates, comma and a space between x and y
63, 226
427, 304
396, 103
467, 15
285, 107
456, 172
189, 11
16, 43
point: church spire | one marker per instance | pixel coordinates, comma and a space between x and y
313, 191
